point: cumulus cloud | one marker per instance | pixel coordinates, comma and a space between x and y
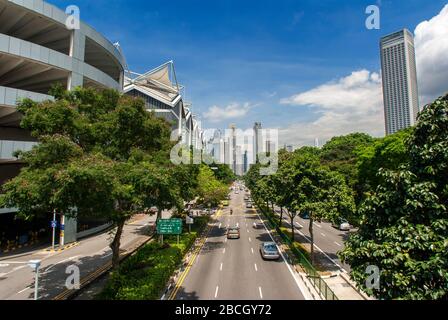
232, 111
355, 103
431, 47
350, 104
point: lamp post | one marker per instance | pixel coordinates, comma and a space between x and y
35, 265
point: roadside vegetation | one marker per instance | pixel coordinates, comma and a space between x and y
144, 275
394, 189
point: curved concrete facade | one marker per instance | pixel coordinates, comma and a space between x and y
37, 50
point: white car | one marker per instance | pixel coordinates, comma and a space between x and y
343, 225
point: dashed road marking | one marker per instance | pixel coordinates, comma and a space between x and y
256, 268
323, 234
338, 244
224, 251
319, 226
220, 268
261, 292
216, 292
21, 291
252, 249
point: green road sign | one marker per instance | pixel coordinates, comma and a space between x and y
169, 226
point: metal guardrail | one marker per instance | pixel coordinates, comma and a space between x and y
316, 280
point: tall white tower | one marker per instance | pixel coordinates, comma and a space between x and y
400, 90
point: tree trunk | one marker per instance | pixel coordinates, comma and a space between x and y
159, 214
115, 245
292, 229
281, 216
312, 239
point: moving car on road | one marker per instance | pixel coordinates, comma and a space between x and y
249, 205
258, 225
269, 251
233, 233
342, 225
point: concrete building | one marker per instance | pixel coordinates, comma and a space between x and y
164, 96
38, 50
400, 90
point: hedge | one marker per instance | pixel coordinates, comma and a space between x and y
144, 275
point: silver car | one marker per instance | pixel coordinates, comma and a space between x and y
269, 251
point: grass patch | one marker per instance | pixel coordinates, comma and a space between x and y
144, 275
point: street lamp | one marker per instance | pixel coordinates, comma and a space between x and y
35, 265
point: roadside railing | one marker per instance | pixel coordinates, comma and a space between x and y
319, 284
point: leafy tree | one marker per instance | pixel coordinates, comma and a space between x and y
210, 189
99, 154
387, 153
316, 190
404, 223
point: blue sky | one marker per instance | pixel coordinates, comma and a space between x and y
243, 57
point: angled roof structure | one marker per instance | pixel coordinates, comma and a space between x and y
159, 83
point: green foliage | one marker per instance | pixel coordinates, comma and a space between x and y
210, 190
144, 275
387, 153
404, 224
99, 152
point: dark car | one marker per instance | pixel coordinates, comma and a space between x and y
305, 215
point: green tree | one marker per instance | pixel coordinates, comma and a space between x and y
99, 154
210, 190
404, 225
316, 190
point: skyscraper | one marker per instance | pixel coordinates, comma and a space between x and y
400, 90
257, 140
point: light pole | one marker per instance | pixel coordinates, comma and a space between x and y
35, 264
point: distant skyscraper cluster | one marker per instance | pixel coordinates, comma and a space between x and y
239, 149
400, 90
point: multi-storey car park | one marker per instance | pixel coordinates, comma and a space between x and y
38, 50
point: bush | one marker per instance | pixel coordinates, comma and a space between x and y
144, 275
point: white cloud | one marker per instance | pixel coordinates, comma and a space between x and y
431, 48
355, 103
350, 104
232, 111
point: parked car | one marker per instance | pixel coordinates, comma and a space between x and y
342, 225
269, 251
233, 233
305, 215
249, 205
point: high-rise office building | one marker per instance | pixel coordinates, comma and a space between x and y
400, 90
257, 140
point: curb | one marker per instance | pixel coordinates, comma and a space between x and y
71, 245
93, 276
360, 292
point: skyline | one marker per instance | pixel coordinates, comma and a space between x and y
233, 75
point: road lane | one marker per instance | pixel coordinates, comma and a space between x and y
233, 269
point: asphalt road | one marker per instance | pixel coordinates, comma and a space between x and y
328, 241
233, 269
17, 280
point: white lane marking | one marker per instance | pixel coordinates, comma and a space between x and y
225, 240
248, 231
323, 234
250, 240
298, 224
256, 268
21, 291
220, 268
107, 255
319, 226
18, 268
252, 249
62, 261
338, 244
261, 292
224, 251
216, 292
220, 225
301, 286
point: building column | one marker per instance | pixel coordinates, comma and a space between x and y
77, 52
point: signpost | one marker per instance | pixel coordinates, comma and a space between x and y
189, 221
169, 227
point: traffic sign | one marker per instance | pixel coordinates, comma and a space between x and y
54, 224
169, 226
189, 220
